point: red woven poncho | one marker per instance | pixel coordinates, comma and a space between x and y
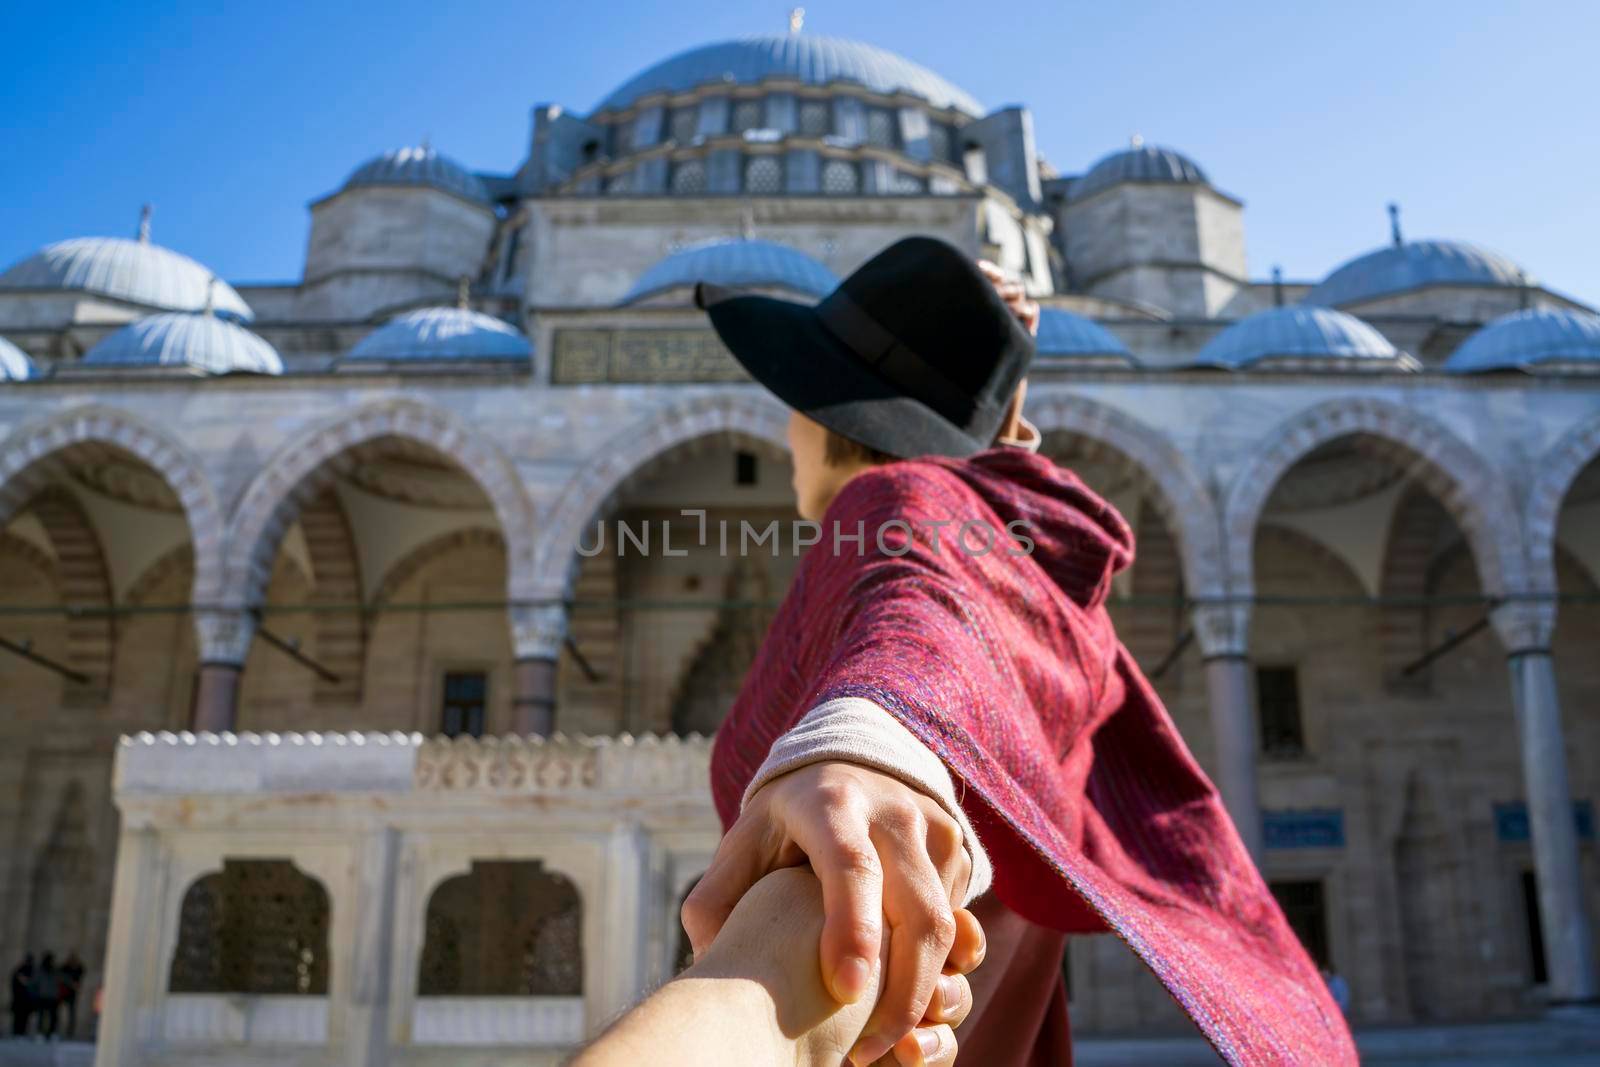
1006, 665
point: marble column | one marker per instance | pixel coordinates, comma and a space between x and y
1526, 627
132, 969
367, 1020
1223, 632
224, 639
537, 635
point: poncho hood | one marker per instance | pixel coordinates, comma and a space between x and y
1078, 539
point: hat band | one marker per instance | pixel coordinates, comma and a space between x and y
894, 360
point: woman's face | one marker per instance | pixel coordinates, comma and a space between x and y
812, 481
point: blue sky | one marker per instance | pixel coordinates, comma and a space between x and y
1480, 118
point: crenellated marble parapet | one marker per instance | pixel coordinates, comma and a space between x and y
370, 762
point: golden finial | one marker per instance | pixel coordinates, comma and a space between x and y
1136, 141
144, 224
1394, 225
464, 292
211, 296
797, 19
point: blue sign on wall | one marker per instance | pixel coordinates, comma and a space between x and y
1309, 828
1511, 820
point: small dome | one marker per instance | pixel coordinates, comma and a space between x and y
135, 271
737, 264
1298, 336
1398, 268
1141, 163
441, 333
184, 339
1555, 338
420, 166
15, 366
802, 57
1063, 335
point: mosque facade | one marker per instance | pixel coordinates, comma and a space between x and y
342, 716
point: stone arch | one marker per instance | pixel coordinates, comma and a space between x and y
592, 489
26, 467
157, 574
307, 465
340, 635
1557, 469
1470, 489
84, 585
254, 926
420, 557
534, 946
1181, 496
28, 552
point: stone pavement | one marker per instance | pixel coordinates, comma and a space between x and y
1567, 1040
1570, 1039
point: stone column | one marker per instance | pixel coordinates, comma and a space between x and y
537, 634
1525, 628
134, 976
224, 638
620, 960
367, 1026
1223, 631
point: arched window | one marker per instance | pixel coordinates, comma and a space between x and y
509, 928
746, 115
684, 122
256, 926
816, 118
689, 177
763, 176
839, 178
880, 127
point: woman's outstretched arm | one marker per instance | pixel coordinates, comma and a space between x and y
756, 996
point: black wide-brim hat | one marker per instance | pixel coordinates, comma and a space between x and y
915, 354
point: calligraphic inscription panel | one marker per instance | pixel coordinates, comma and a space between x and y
654, 356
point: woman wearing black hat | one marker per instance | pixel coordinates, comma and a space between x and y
943, 671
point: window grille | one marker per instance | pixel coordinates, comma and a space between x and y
839, 178
685, 120
746, 115
880, 127
689, 178
763, 176
816, 119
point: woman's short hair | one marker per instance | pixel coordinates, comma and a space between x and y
840, 450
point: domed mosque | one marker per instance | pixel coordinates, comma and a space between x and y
246, 519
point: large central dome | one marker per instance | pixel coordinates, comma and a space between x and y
803, 57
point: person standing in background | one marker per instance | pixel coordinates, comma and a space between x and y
71, 982
22, 996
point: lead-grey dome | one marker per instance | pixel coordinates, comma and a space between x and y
15, 366
1140, 163
803, 57
1534, 339
201, 342
137, 272
442, 333
744, 263
1297, 337
1399, 268
420, 166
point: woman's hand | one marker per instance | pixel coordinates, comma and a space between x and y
1013, 293
884, 852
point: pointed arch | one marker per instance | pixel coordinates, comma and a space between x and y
1556, 471
309, 463
1181, 496
588, 493
1465, 484
31, 457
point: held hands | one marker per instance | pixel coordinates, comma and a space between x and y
884, 853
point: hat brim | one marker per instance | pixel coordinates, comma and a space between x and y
785, 347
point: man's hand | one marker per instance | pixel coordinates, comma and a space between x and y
884, 852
